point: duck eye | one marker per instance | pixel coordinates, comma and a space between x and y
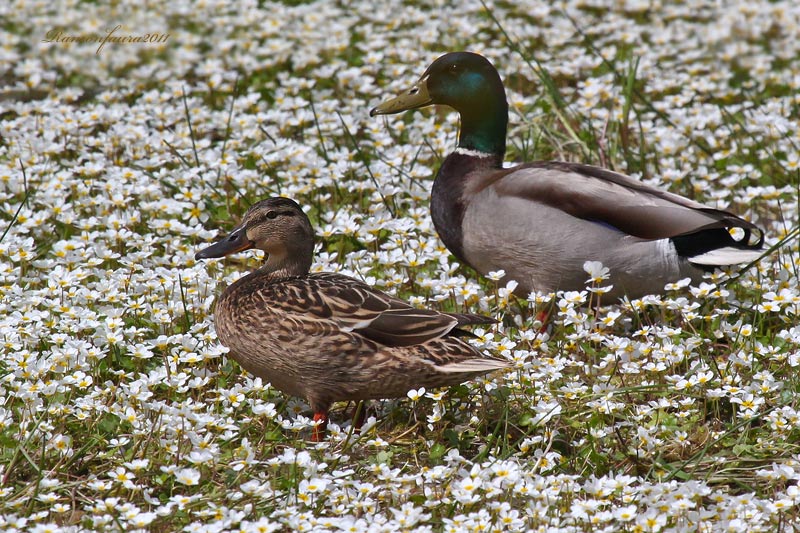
272, 215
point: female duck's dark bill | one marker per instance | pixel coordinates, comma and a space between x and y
415, 97
237, 241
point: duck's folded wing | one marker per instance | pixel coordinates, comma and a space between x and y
355, 306
468, 319
606, 197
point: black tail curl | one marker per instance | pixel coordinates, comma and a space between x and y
707, 240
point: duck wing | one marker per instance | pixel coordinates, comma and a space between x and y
356, 307
599, 195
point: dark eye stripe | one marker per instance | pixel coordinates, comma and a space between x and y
271, 215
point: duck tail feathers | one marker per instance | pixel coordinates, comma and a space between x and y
726, 256
472, 366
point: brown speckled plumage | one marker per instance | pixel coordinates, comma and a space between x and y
327, 337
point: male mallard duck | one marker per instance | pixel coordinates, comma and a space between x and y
327, 337
541, 221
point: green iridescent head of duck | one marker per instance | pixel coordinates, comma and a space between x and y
468, 83
280, 228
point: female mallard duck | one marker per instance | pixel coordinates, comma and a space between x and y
541, 221
325, 336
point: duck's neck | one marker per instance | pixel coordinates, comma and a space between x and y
286, 265
461, 171
484, 126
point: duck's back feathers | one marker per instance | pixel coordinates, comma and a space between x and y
606, 197
354, 306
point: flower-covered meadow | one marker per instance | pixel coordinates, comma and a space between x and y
119, 409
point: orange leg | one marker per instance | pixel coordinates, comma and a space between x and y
318, 433
543, 316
